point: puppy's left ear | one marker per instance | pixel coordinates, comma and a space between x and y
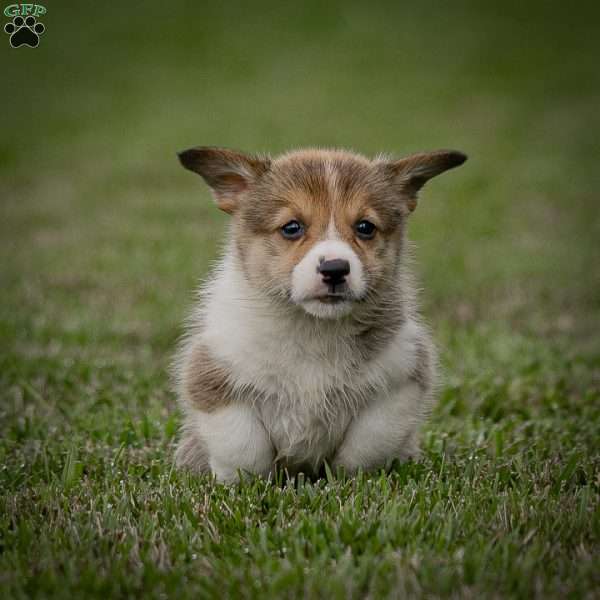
413, 172
228, 173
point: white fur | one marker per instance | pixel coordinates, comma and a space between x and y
385, 431
308, 284
236, 441
294, 361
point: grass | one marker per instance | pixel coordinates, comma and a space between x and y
103, 237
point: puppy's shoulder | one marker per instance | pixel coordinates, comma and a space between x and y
410, 355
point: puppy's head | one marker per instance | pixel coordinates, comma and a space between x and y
321, 229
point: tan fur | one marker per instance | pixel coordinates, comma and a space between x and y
205, 380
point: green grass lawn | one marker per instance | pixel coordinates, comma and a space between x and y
103, 238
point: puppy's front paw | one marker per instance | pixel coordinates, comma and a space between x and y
226, 472
234, 439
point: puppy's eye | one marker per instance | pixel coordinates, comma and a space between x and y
292, 230
365, 230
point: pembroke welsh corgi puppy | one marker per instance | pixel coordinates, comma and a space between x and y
306, 345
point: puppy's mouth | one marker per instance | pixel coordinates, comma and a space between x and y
336, 293
330, 305
329, 301
332, 298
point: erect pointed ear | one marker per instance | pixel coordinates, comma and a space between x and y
227, 172
412, 172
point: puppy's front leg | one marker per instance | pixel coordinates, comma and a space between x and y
235, 440
384, 430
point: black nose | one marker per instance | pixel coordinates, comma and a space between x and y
334, 271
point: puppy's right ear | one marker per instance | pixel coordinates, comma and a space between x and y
227, 172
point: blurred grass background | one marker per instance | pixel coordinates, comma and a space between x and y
103, 236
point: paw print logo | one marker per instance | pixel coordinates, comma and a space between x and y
24, 32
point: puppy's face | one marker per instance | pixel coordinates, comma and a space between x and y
320, 229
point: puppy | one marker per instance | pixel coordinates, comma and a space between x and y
306, 345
